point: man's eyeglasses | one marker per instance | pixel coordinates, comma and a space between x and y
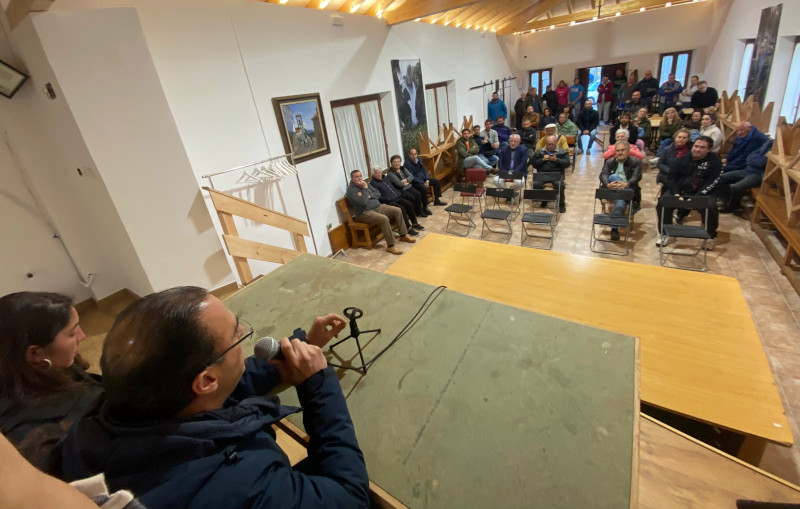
247, 331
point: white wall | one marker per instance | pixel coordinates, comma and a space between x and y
636, 38
43, 135
743, 17
110, 84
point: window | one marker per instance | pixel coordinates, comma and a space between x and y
749, 47
595, 76
362, 138
540, 79
791, 98
675, 63
437, 104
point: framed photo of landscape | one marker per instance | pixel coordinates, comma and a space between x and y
302, 126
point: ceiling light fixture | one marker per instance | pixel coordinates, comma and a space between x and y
571, 23
354, 8
617, 14
669, 4
323, 4
284, 1
641, 9
380, 14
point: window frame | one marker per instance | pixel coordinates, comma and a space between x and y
540, 87
744, 70
675, 54
356, 101
434, 86
794, 102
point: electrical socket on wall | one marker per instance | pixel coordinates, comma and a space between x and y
87, 172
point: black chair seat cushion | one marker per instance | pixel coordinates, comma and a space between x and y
458, 208
687, 232
610, 220
495, 214
537, 217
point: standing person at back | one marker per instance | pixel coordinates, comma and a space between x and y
619, 81
648, 87
497, 108
604, 98
534, 99
576, 97
550, 99
519, 110
626, 93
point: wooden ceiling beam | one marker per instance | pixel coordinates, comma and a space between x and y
449, 17
380, 6
413, 9
520, 20
512, 14
468, 14
488, 13
587, 15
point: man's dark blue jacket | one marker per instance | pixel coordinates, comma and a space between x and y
742, 147
228, 458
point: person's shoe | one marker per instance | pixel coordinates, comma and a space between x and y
726, 210
428, 211
709, 245
664, 241
406, 238
615, 235
394, 250
589, 151
653, 161
418, 227
440, 203
580, 151
562, 208
413, 233
679, 218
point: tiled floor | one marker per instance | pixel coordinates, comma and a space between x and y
739, 253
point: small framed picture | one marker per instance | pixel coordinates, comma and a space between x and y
10, 79
302, 126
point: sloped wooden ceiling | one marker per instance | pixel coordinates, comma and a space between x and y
502, 17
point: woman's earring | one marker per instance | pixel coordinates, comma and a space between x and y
47, 364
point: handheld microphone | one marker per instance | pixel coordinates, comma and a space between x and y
268, 348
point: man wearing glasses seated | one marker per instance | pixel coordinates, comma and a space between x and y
185, 423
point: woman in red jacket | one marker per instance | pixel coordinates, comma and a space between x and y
562, 92
604, 98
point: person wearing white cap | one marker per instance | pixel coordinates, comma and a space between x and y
550, 130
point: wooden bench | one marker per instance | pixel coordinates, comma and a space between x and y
363, 234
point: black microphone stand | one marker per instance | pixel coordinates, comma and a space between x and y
354, 314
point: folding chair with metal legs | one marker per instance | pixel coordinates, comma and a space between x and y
539, 219
459, 213
612, 220
510, 177
671, 232
497, 214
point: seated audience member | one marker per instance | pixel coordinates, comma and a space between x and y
669, 93
635, 104
415, 165
551, 158
669, 125
588, 119
44, 387
513, 159
496, 107
368, 209
532, 117
468, 151
619, 81
547, 117
503, 132
565, 126
550, 99
748, 140
562, 94
534, 99
693, 124
626, 93
685, 97
519, 110
708, 127
604, 99
529, 137
695, 174
576, 97
185, 423
705, 97
733, 185
402, 179
622, 172
672, 152
390, 195
489, 144
566, 110
550, 130
622, 135
648, 87
625, 123
642, 125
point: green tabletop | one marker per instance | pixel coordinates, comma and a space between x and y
478, 405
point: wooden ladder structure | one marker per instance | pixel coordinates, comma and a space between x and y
241, 249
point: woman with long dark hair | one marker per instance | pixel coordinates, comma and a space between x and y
44, 387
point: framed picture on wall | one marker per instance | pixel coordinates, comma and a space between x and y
302, 126
10, 79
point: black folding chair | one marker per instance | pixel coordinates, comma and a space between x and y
671, 232
509, 177
544, 218
460, 212
611, 220
497, 214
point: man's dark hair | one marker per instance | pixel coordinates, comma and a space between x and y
393, 158
700, 82
696, 76
152, 354
354, 172
466, 130
709, 141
